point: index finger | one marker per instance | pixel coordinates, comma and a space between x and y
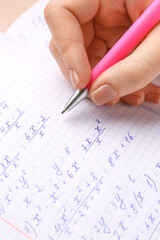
64, 18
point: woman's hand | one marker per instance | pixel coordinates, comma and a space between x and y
83, 32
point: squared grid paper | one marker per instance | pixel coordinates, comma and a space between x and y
58, 190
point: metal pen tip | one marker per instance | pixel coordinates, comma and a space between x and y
76, 98
63, 111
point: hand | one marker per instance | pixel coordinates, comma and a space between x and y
84, 30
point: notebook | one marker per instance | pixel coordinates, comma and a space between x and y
90, 174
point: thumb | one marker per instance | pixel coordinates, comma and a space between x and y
131, 74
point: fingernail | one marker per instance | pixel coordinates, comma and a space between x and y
103, 94
132, 99
73, 78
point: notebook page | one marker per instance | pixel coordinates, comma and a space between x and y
31, 30
93, 173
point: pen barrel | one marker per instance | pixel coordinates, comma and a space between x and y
132, 37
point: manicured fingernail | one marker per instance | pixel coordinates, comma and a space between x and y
103, 94
132, 99
73, 78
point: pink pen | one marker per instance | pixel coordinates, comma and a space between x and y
132, 37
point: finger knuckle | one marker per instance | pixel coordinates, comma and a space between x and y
65, 46
50, 9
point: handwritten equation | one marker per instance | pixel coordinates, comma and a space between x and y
68, 187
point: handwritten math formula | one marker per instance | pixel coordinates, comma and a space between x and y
43, 194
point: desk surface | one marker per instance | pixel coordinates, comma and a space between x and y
10, 10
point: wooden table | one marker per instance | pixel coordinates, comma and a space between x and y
10, 10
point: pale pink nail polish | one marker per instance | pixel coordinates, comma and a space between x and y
73, 78
103, 94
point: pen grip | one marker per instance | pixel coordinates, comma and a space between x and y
132, 37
